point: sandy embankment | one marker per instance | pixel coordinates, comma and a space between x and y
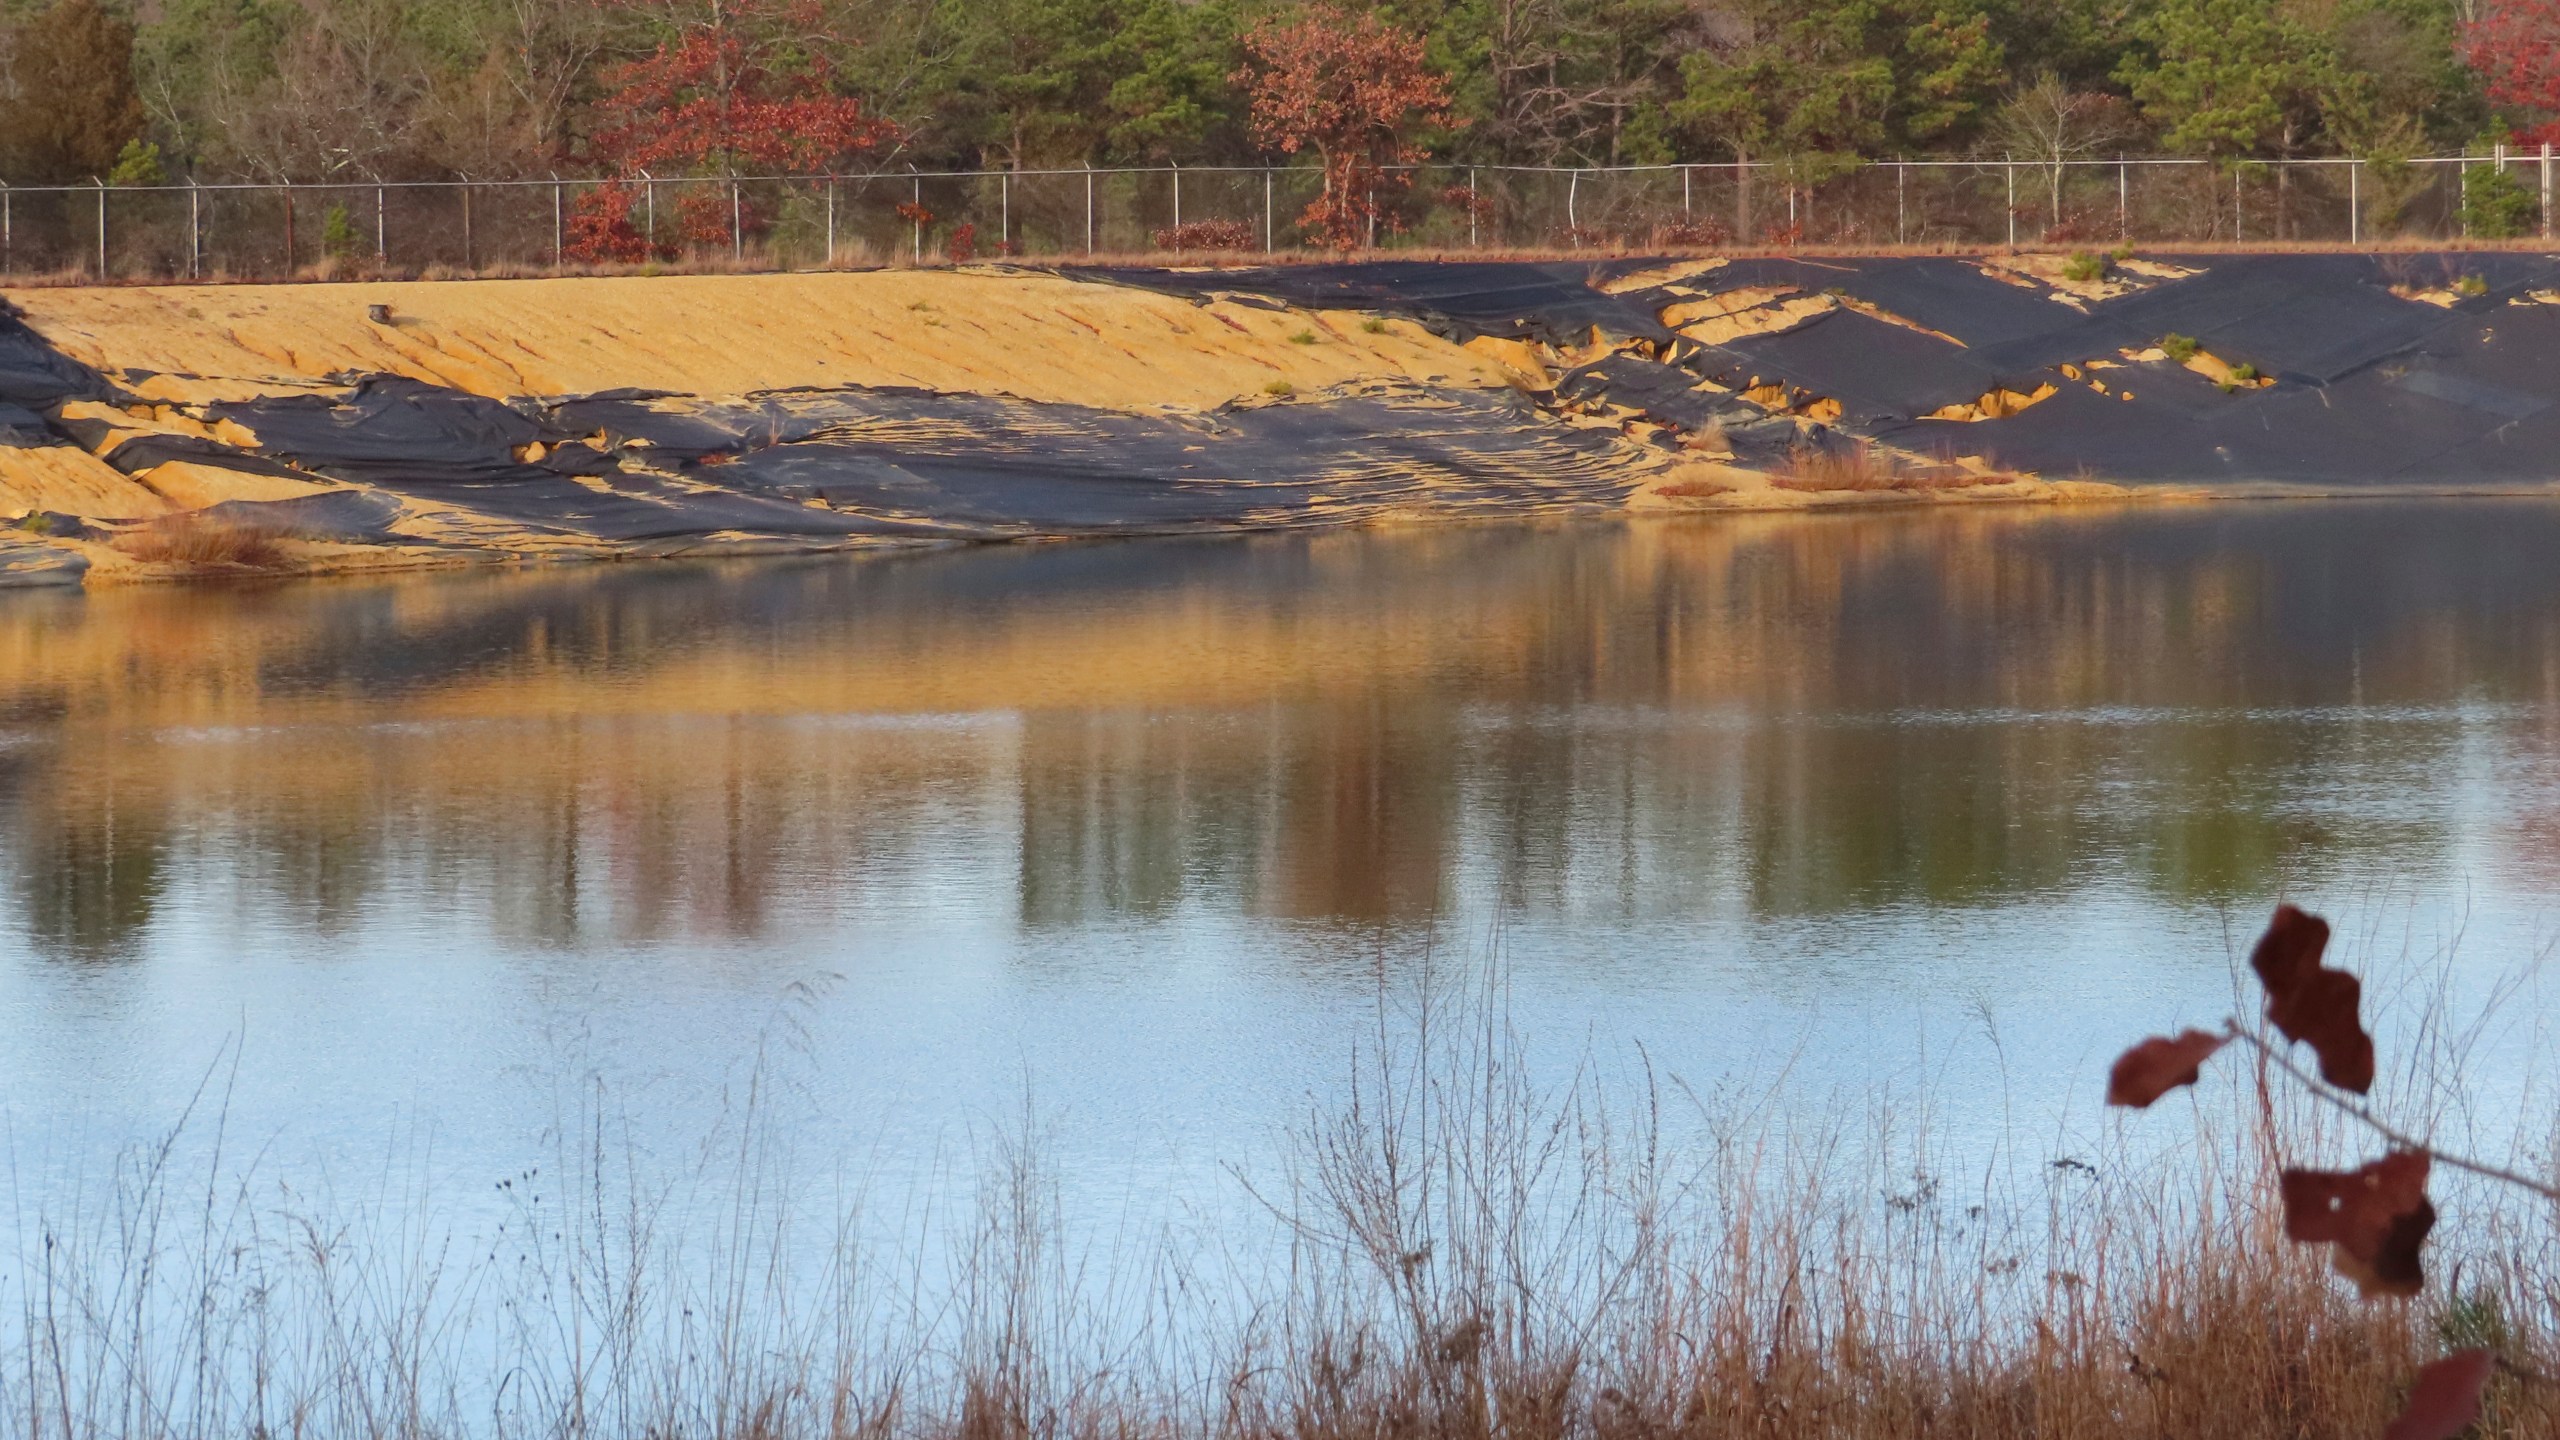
849, 409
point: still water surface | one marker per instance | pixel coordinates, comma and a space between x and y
414, 868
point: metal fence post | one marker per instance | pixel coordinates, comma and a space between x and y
559, 224
1475, 210
831, 220
1901, 200
2355, 202
2239, 215
1088, 210
1572, 215
737, 221
2546, 189
2124, 200
649, 205
195, 229
8, 233
469, 258
2009, 168
916, 219
381, 229
1686, 211
102, 229
288, 229
1270, 216
1004, 212
1177, 197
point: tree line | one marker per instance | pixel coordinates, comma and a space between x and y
337, 90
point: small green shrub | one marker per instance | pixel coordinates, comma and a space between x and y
1303, 337
2084, 267
2180, 348
2245, 372
1279, 389
2471, 285
1373, 326
2495, 204
338, 235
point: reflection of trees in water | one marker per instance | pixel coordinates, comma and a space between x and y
89, 879
1794, 718
1334, 811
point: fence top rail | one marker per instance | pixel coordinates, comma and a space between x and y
2517, 154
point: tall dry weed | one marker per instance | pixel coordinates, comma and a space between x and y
195, 542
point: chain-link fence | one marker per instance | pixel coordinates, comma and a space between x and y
263, 231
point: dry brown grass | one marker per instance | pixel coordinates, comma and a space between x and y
1694, 489
193, 542
1461, 1253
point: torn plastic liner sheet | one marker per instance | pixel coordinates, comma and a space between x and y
1874, 368
1012, 466
1664, 394
459, 449
917, 463
353, 516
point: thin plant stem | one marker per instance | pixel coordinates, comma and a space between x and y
2354, 1110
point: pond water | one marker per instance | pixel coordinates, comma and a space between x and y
396, 875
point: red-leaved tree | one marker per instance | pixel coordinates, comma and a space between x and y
741, 86
1353, 89
2515, 48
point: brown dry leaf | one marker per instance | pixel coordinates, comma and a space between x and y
2445, 1401
2377, 1217
2159, 1065
2311, 1003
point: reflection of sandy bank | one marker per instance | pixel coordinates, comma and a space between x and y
1340, 727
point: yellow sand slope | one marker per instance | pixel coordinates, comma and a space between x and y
1035, 336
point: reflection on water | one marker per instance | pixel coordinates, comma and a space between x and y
395, 875
1598, 726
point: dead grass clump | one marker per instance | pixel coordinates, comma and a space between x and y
1862, 467
1207, 235
1709, 438
195, 542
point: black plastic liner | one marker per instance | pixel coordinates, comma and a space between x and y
1514, 300
352, 516
993, 466
1665, 394
917, 464
146, 452
2372, 388
33, 374
459, 449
